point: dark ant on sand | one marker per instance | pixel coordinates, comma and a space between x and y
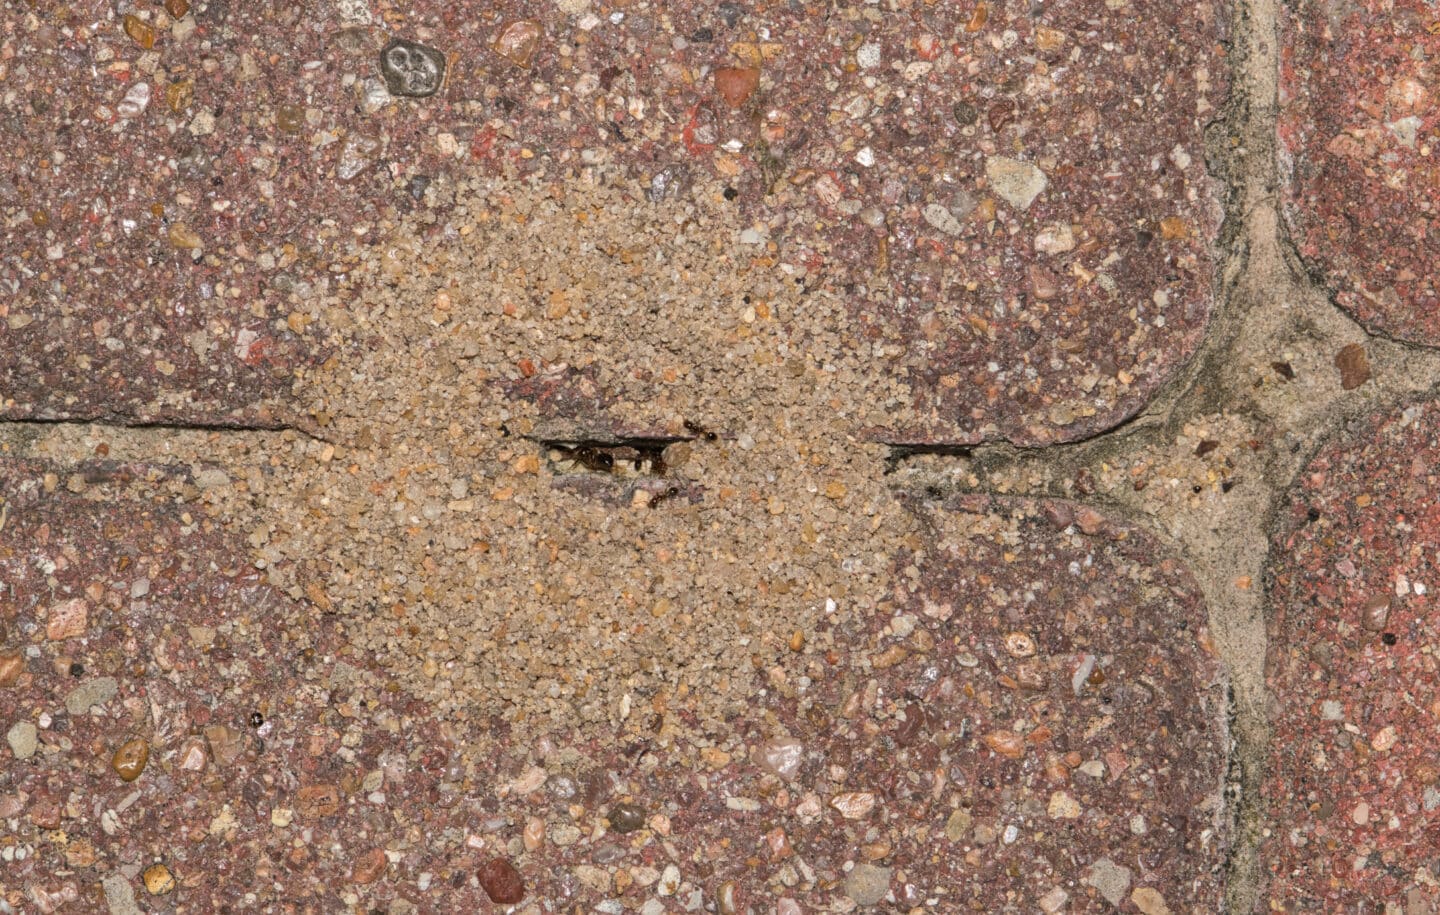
665, 496
589, 458
695, 428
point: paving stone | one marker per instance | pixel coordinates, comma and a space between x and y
1069, 680
1360, 107
263, 215
1352, 790
218, 206
209, 643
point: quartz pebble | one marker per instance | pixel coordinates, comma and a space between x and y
782, 756
518, 42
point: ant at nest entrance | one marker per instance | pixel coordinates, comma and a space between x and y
642, 460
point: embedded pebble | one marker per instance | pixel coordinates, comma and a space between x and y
736, 84
90, 694
1111, 879
626, 817
501, 881
518, 42
1016, 182
782, 756
22, 738
68, 619
130, 758
411, 69
158, 880
868, 884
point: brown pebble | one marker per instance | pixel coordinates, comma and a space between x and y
159, 880
1353, 365
1001, 114
1375, 612
177, 8
12, 665
315, 801
1043, 283
290, 118
501, 881
1173, 228
139, 31
183, 237
226, 744
129, 761
736, 84
369, 867
1059, 514
1006, 743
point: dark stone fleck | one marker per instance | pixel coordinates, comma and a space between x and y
965, 113
730, 13
411, 69
625, 817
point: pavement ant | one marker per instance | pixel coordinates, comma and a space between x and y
665, 496
588, 457
695, 428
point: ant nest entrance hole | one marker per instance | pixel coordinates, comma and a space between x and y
630, 459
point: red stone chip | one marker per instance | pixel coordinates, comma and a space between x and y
1353, 791
501, 881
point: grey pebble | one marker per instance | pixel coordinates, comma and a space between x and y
22, 738
91, 693
867, 884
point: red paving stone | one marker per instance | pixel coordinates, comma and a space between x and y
157, 250
1041, 724
1358, 132
1036, 725
1353, 786
1075, 692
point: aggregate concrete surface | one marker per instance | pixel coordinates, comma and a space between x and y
753, 457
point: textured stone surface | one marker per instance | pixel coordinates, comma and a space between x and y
177, 200
1353, 786
277, 751
1361, 106
1075, 698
